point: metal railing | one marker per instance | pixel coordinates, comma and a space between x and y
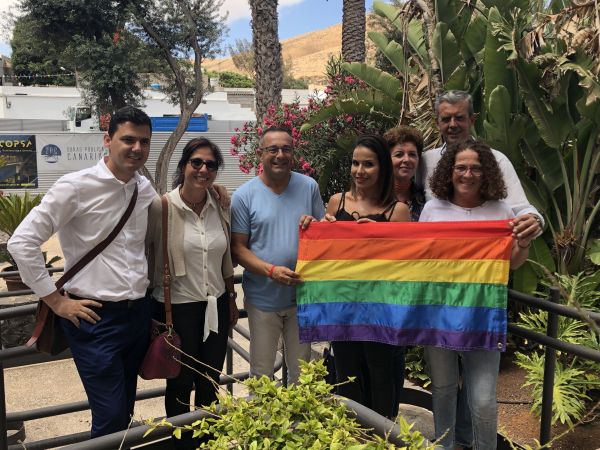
364, 415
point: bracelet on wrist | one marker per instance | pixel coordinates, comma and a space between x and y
524, 246
270, 274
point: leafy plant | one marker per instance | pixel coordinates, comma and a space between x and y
14, 208
414, 365
302, 416
574, 377
569, 388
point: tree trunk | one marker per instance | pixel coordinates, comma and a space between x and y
164, 159
353, 30
267, 56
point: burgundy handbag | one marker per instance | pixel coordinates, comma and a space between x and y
47, 336
162, 358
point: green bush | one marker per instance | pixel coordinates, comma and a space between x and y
232, 79
302, 416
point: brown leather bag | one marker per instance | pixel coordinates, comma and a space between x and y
162, 358
47, 336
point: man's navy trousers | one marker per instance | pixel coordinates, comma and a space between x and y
108, 356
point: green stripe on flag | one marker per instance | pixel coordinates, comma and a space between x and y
403, 293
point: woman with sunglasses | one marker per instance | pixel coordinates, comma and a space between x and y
202, 289
468, 185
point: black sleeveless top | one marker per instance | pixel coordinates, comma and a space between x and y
383, 216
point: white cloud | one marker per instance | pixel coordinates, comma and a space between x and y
5, 4
240, 9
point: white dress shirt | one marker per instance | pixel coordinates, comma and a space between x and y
515, 198
83, 208
204, 244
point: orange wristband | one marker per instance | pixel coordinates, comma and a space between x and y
270, 275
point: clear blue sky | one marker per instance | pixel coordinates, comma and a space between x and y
301, 17
295, 17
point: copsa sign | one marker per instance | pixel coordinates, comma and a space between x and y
18, 162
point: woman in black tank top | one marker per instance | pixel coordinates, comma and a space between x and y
371, 199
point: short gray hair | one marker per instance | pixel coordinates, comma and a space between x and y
453, 97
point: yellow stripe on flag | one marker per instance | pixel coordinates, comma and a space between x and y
455, 271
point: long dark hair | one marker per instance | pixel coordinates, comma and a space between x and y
386, 173
188, 151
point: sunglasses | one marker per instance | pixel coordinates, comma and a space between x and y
197, 163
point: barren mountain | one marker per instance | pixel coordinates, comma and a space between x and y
307, 52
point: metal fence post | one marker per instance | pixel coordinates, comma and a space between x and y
549, 368
3, 423
229, 362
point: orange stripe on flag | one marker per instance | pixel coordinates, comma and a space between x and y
404, 249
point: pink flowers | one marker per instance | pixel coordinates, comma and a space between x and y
305, 166
315, 147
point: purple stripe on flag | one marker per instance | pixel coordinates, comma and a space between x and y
453, 340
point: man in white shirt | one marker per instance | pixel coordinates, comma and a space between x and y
455, 116
104, 312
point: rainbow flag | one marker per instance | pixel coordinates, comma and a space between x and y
430, 283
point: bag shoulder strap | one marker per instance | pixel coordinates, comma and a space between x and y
89, 256
166, 269
44, 309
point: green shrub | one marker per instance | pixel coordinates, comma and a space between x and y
302, 416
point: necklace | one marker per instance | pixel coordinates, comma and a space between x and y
194, 206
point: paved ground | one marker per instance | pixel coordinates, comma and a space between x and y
56, 383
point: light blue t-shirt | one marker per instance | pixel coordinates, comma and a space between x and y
271, 223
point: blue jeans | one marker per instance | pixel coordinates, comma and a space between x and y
480, 373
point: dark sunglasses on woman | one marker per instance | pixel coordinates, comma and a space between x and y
197, 163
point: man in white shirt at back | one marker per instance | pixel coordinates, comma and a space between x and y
455, 116
105, 316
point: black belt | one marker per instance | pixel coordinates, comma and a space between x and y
120, 304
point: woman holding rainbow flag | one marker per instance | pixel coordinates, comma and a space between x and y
371, 199
468, 186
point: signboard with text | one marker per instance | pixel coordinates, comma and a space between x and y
68, 153
18, 162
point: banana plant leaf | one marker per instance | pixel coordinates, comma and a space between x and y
593, 252
455, 13
446, 50
458, 79
416, 38
525, 279
583, 66
546, 160
503, 130
496, 71
392, 51
473, 42
414, 32
376, 78
373, 103
550, 123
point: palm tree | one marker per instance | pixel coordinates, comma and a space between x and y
353, 30
267, 55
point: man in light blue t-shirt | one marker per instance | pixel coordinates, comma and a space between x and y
266, 212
